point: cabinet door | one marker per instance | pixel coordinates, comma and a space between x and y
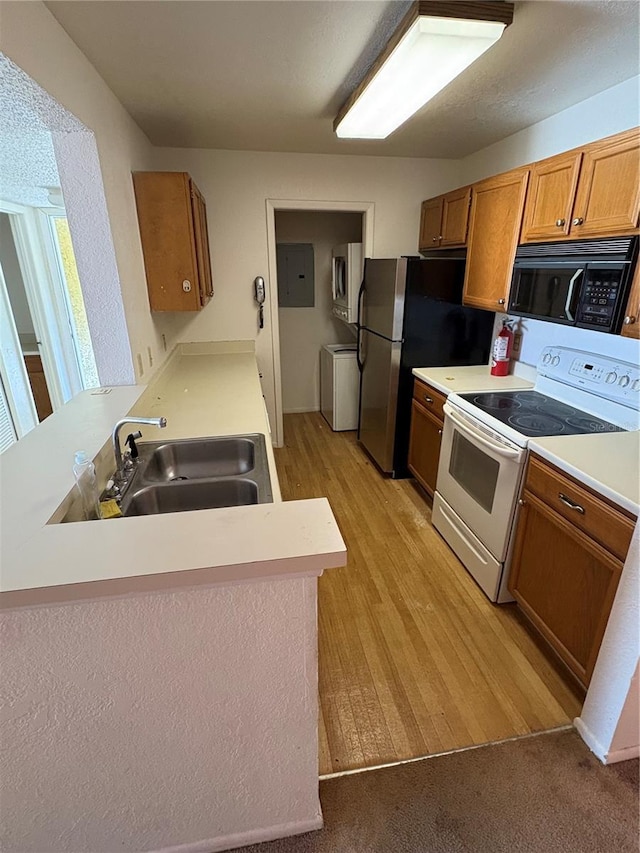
165, 217
430, 222
608, 197
494, 228
201, 237
631, 326
552, 189
455, 217
565, 584
424, 447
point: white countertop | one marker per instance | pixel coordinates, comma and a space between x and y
609, 463
462, 380
201, 391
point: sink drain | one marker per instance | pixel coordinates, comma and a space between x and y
175, 479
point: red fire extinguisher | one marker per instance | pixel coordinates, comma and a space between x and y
502, 347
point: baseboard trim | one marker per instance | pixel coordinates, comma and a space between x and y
244, 839
623, 754
300, 410
590, 739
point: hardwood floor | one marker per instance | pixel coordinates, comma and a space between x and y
414, 659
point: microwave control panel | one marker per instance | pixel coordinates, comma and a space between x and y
599, 298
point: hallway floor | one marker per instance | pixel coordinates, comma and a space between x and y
414, 659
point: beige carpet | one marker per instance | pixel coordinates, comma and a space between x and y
544, 794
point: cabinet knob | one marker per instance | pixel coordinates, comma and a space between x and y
578, 220
522, 502
186, 285
428, 399
501, 301
629, 320
434, 239
560, 222
439, 432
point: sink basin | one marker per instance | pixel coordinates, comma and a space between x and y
200, 458
185, 496
199, 473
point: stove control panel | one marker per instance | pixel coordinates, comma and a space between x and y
614, 380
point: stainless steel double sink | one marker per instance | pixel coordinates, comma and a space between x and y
199, 473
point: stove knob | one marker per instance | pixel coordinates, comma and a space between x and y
624, 381
610, 378
636, 385
547, 358
555, 361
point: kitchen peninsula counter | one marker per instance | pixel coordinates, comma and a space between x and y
204, 390
160, 672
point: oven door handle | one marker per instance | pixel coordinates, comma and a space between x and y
481, 438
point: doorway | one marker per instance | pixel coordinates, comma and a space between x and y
366, 211
307, 324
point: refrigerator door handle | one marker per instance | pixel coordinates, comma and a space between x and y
359, 361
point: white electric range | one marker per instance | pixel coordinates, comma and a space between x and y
484, 450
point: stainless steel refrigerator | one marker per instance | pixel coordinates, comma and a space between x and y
410, 314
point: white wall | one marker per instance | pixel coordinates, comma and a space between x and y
303, 331
236, 185
610, 112
169, 721
32, 38
608, 721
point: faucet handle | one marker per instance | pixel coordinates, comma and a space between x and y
131, 443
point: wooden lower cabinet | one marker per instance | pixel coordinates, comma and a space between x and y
564, 580
424, 446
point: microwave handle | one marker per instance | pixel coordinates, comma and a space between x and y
333, 279
568, 305
476, 436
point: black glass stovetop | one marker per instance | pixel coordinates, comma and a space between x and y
534, 414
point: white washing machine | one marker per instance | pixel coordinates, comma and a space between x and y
339, 386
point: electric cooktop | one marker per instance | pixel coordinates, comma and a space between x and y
535, 415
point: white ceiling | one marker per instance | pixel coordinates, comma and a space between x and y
271, 76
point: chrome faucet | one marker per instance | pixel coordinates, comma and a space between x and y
117, 451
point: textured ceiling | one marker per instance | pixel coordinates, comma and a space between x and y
271, 76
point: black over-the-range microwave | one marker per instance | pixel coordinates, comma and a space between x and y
580, 283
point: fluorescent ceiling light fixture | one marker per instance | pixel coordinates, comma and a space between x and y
427, 57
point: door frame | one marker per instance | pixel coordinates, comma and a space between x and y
13, 370
46, 303
366, 208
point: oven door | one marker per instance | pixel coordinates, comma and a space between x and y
479, 476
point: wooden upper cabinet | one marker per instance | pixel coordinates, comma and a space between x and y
444, 220
430, 222
608, 195
631, 323
173, 230
494, 228
455, 217
552, 189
